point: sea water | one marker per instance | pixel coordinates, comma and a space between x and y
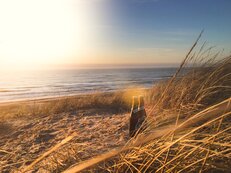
55, 83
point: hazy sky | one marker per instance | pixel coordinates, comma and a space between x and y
67, 33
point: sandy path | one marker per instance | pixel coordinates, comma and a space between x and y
98, 131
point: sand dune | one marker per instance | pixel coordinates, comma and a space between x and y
97, 131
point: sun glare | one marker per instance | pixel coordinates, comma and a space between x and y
41, 32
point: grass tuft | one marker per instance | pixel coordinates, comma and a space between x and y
188, 127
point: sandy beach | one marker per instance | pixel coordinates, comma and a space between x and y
23, 138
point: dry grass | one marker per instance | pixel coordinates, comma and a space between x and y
118, 101
198, 134
204, 146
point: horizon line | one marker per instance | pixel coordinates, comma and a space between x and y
127, 65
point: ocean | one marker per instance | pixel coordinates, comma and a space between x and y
54, 83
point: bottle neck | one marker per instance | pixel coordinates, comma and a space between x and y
141, 103
135, 104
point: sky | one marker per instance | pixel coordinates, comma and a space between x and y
75, 33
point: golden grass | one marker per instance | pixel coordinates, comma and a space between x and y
150, 143
56, 147
193, 113
118, 101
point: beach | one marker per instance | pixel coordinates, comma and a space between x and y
25, 137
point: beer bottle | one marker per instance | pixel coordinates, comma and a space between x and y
133, 116
141, 107
141, 113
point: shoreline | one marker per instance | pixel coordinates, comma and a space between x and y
72, 96
108, 102
46, 99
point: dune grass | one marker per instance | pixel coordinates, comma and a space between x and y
118, 101
190, 114
205, 145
